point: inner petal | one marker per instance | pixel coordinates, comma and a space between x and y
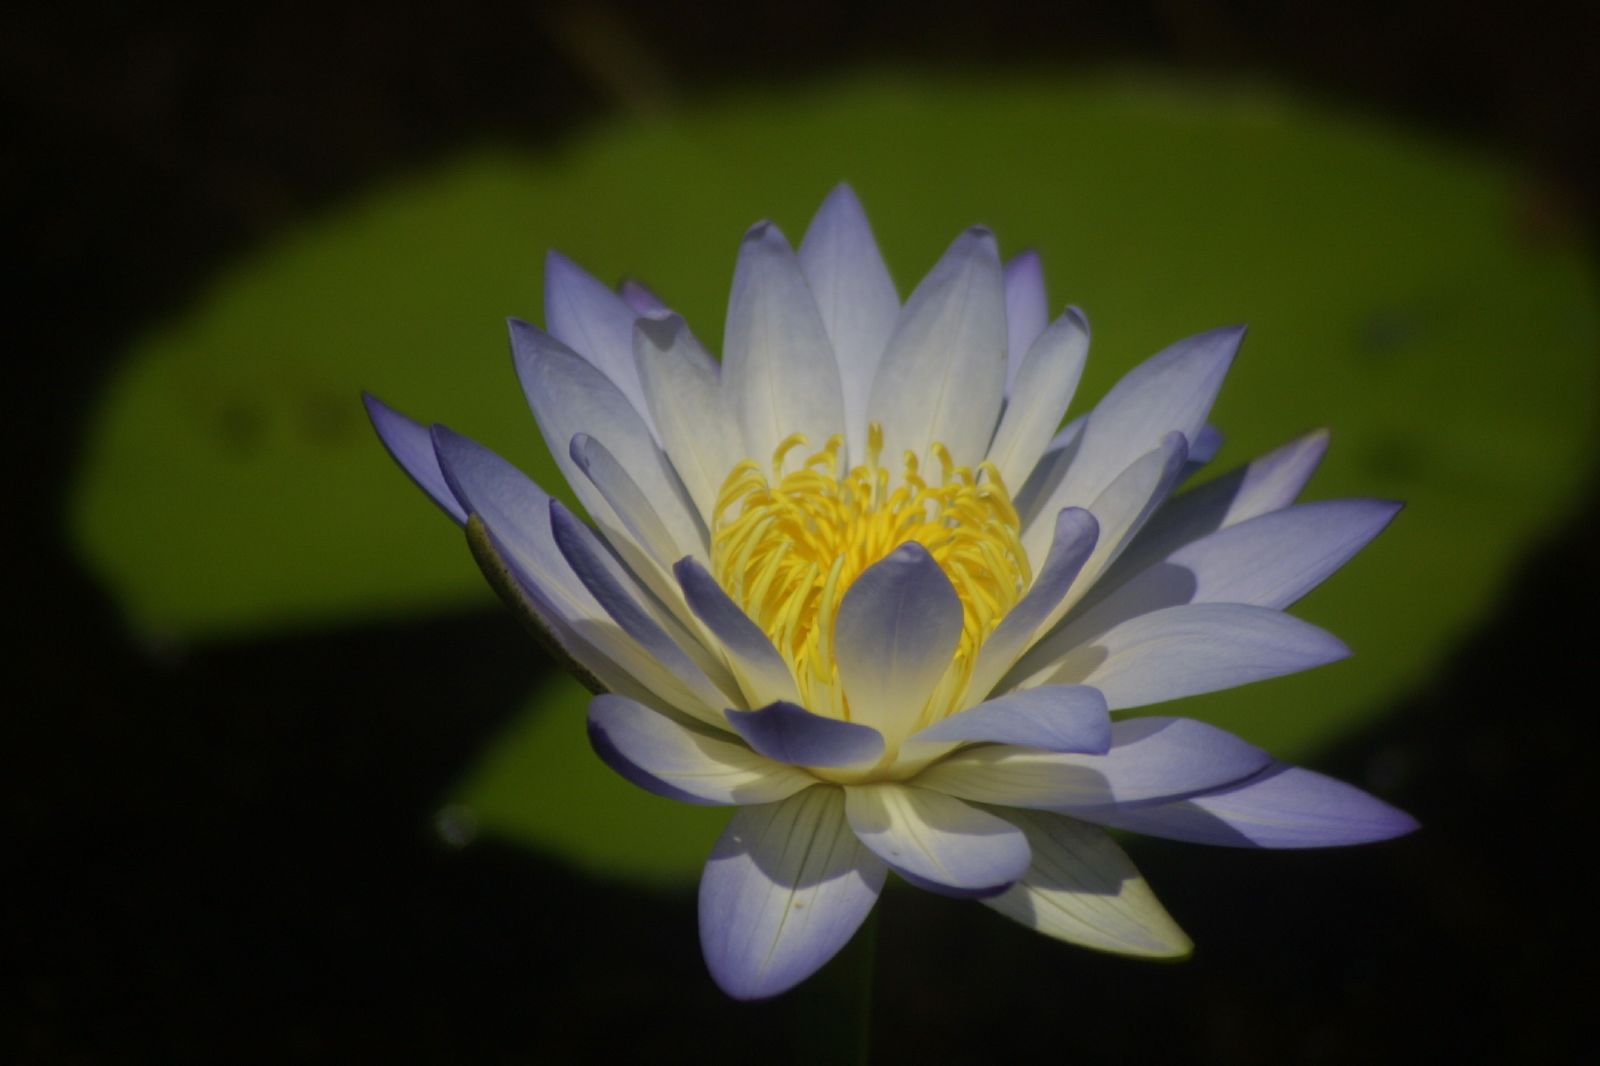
786, 546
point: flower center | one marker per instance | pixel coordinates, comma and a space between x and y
787, 547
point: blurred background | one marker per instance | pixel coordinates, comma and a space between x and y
286, 785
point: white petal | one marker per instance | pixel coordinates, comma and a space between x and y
856, 297
937, 839
1083, 889
1027, 310
1045, 384
1192, 649
778, 365
680, 762
681, 383
787, 886
943, 375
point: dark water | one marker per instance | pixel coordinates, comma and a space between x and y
225, 855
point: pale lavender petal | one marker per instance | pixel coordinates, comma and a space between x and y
1051, 717
1169, 392
1282, 807
1150, 759
609, 584
1027, 310
778, 365
896, 632
640, 299
942, 377
683, 385
1084, 890
1193, 649
626, 499
581, 312
786, 887
1075, 535
676, 760
856, 297
764, 674
1048, 473
791, 734
937, 840
411, 445
1044, 386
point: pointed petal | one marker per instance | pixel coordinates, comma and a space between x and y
1268, 484
1150, 759
896, 632
1192, 649
1269, 561
937, 840
1045, 382
586, 316
786, 887
761, 671
778, 365
1051, 717
410, 445
681, 763
1027, 311
611, 586
1084, 890
640, 299
856, 297
1282, 807
569, 396
1075, 535
682, 385
1169, 392
942, 377
791, 734
638, 518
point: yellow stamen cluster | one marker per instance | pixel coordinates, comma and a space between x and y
787, 547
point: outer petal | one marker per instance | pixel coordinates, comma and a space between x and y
786, 887
629, 502
857, 299
639, 297
1051, 718
1196, 648
942, 377
1169, 392
760, 670
679, 762
1150, 759
938, 841
411, 445
1282, 807
1027, 310
595, 322
896, 632
791, 734
778, 365
681, 383
1269, 561
568, 397
1045, 382
1083, 889
1075, 535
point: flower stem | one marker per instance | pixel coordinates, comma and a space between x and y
831, 1019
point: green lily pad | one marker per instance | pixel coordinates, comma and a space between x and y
1403, 292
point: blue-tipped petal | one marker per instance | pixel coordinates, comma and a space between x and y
755, 661
1051, 717
936, 840
1282, 807
640, 298
581, 312
896, 632
682, 763
1045, 383
786, 887
411, 445
791, 734
1027, 310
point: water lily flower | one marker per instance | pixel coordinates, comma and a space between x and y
853, 582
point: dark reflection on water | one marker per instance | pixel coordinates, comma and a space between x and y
229, 855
